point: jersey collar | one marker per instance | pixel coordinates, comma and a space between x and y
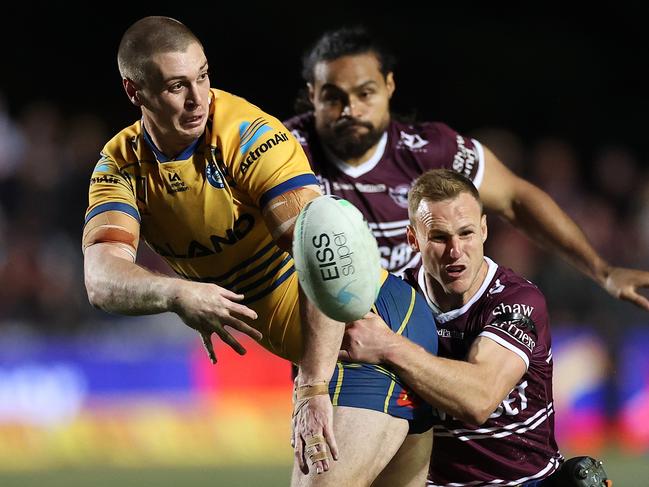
184, 154
444, 317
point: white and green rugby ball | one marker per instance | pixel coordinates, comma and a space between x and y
336, 258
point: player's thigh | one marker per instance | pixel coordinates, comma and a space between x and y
409, 466
366, 441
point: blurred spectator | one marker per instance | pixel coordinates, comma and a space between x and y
615, 176
11, 142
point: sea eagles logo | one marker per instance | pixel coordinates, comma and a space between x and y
414, 142
213, 176
399, 195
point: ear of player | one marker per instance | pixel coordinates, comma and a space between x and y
336, 258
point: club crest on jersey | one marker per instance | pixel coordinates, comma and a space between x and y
213, 176
399, 195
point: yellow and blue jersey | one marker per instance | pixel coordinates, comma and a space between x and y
202, 211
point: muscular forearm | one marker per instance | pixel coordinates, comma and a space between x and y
459, 388
119, 286
541, 218
321, 338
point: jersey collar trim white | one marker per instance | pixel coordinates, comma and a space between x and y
444, 317
364, 168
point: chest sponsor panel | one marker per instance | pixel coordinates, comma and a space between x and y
203, 247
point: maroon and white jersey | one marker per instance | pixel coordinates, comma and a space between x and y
379, 187
516, 444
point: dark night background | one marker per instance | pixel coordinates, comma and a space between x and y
537, 70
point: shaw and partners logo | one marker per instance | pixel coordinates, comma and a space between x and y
250, 134
515, 320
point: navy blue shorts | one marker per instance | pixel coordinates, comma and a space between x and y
376, 387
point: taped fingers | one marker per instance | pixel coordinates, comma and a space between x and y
315, 454
316, 449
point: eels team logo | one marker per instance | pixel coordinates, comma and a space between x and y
213, 176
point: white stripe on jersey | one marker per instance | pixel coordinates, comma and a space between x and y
498, 431
388, 225
388, 233
552, 465
508, 346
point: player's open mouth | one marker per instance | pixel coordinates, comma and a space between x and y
455, 271
193, 121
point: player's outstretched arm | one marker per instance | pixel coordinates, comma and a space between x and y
624, 284
321, 336
531, 209
116, 284
313, 434
469, 390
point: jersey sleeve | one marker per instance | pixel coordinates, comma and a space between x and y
518, 321
269, 160
461, 154
110, 190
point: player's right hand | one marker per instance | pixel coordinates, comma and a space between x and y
313, 437
208, 308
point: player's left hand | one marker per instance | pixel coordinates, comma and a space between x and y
623, 283
366, 340
313, 434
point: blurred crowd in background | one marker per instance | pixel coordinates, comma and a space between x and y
46, 158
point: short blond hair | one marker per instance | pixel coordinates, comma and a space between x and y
439, 185
149, 36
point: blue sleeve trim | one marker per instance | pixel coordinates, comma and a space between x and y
295, 182
123, 207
